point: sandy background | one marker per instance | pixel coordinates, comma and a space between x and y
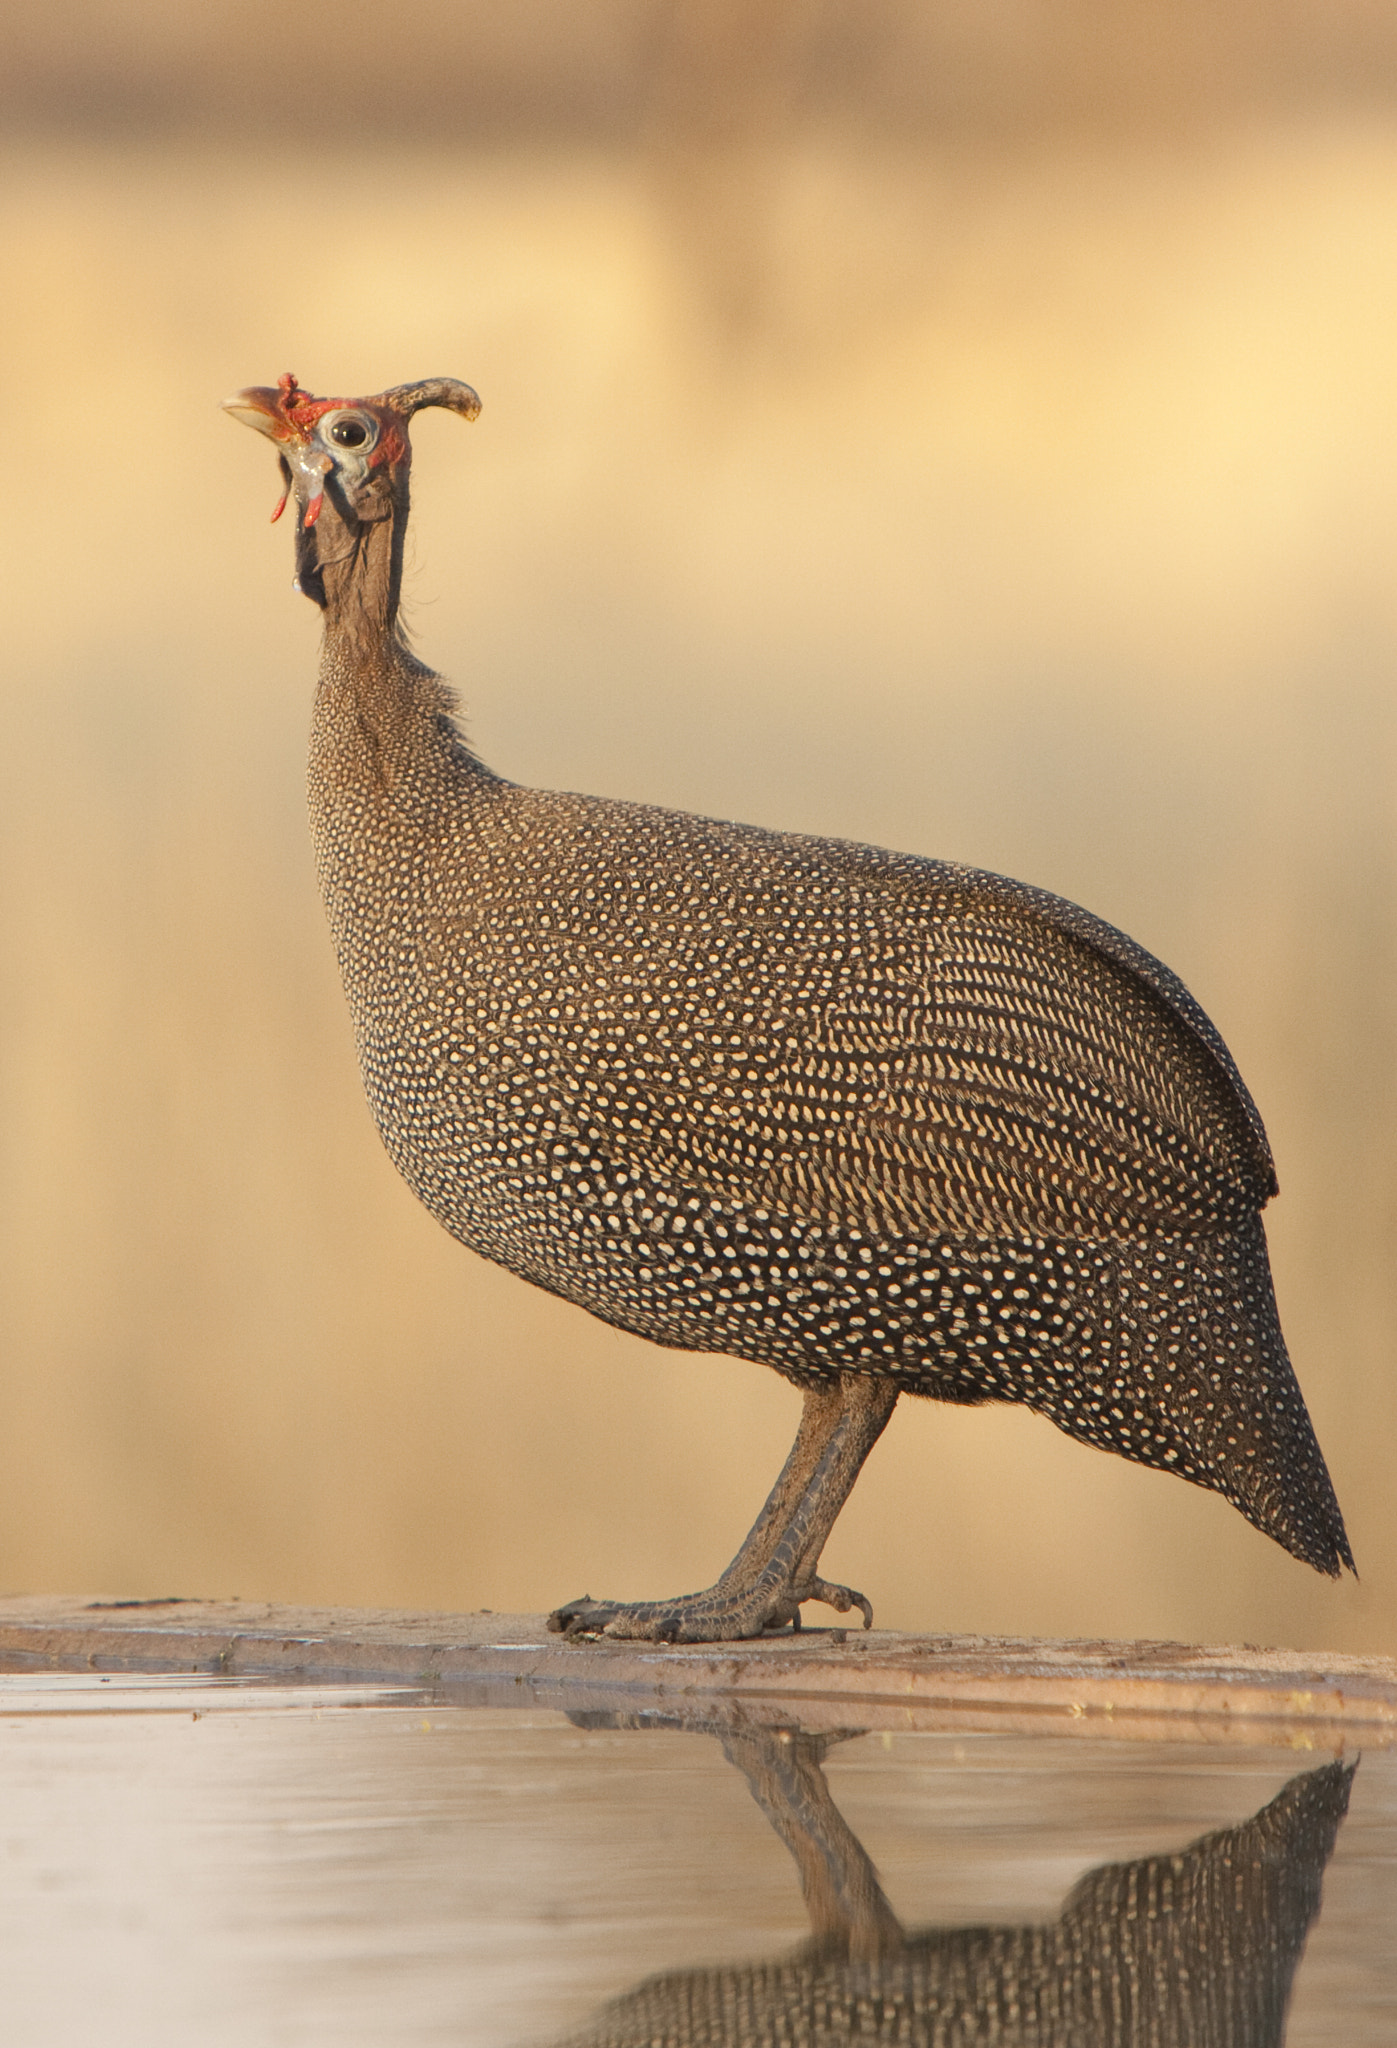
916, 424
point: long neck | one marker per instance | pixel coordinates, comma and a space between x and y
355, 568
382, 719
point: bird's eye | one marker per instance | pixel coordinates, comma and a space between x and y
350, 430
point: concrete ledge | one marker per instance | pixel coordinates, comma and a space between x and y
1156, 1691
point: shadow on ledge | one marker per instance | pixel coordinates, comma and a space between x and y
1193, 1950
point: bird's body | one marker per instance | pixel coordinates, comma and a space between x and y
885, 1124
1197, 1947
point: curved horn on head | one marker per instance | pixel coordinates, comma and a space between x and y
447, 391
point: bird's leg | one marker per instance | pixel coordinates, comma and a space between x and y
849, 1912
775, 1569
839, 1426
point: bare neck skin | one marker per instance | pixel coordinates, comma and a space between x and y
351, 564
378, 708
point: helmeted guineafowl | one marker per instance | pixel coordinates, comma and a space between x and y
1197, 1949
888, 1125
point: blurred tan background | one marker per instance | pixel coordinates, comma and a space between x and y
970, 428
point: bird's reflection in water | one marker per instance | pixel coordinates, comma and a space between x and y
1193, 1950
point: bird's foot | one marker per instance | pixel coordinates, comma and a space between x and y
722, 1614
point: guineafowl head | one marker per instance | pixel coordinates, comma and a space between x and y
347, 460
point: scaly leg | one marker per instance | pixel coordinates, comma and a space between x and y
775, 1569
849, 1913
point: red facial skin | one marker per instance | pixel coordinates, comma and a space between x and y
293, 414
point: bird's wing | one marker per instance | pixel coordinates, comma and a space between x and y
917, 1047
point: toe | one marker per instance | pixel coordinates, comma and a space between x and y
840, 1598
579, 1617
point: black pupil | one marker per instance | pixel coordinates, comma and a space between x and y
349, 433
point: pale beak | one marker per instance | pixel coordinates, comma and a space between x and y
303, 467
257, 408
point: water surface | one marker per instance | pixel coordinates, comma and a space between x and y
237, 1862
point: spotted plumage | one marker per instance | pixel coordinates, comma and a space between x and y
844, 1112
1196, 1947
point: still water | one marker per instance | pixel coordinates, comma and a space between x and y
232, 1862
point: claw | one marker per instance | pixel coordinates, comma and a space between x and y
840, 1598
570, 1618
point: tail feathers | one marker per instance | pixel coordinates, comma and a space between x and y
1199, 1329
